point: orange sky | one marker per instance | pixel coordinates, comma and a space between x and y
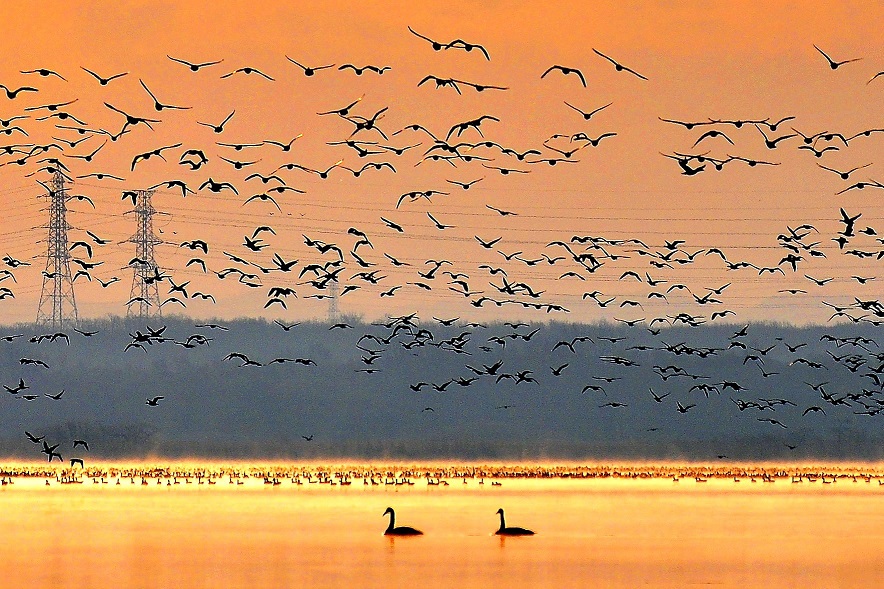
742, 60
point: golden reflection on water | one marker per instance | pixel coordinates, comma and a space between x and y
590, 533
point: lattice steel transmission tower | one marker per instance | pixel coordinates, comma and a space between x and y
58, 306
334, 314
144, 297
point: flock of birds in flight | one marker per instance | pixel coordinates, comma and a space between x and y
358, 267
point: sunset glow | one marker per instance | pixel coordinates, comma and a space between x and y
461, 294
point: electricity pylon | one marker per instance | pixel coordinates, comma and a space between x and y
334, 315
58, 306
144, 297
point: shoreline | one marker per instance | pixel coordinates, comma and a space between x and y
347, 470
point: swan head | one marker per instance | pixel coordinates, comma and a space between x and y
500, 511
389, 510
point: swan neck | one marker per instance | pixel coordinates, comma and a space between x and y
392, 520
502, 522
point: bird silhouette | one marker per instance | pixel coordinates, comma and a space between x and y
617, 66
101, 80
565, 71
157, 104
219, 128
247, 71
359, 70
195, 67
832, 63
505, 530
587, 115
13, 94
311, 71
393, 530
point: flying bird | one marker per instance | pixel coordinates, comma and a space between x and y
310, 71
587, 115
219, 128
618, 66
44, 73
566, 71
12, 94
832, 63
194, 67
248, 71
101, 80
157, 104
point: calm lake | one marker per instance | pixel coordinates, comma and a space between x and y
590, 533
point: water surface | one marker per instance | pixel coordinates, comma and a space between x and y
590, 533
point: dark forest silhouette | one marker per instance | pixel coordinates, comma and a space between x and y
352, 405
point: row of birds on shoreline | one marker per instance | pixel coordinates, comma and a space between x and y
436, 475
